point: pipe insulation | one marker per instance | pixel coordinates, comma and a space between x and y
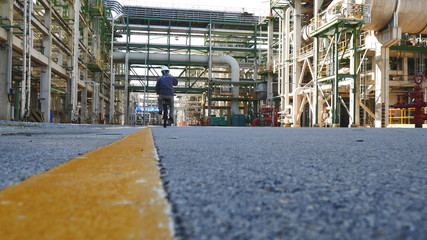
381, 13
410, 15
198, 59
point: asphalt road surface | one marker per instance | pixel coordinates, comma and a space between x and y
295, 183
259, 183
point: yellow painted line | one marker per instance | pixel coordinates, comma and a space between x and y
114, 192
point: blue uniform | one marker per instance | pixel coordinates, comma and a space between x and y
164, 88
165, 85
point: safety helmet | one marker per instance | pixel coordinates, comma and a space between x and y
165, 68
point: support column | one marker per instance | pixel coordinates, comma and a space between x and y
95, 102
101, 106
385, 40
21, 114
46, 71
110, 110
83, 113
83, 100
405, 68
75, 76
6, 11
30, 41
354, 89
335, 91
119, 107
382, 75
126, 102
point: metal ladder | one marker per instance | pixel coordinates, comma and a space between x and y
419, 63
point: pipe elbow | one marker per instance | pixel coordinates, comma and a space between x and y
232, 62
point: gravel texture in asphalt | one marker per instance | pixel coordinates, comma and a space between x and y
30, 148
295, 183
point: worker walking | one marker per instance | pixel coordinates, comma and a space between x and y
164, 89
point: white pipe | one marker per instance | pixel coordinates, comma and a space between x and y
270, 61
287, 58
201, 59
296, 106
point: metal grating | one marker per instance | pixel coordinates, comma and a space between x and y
181, 14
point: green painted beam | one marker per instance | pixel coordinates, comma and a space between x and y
192, 47
168, 63
195, 21
409, 48
176, 89
226, 99
244, 83
340, 76
57, 90
329, 28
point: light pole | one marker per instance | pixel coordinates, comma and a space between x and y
112, 74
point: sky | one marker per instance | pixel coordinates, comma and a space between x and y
259, 7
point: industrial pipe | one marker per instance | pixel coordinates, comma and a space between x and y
409, 13
297, 105
198, 59
381, 13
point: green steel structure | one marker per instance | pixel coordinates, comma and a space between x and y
56, 64
191, 33
342, 35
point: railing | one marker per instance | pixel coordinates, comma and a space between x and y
340, 10
402, 115
306, 50
412, 42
